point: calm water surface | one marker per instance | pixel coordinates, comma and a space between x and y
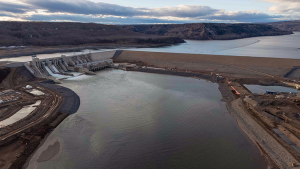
262, 89
139, 120
287, 46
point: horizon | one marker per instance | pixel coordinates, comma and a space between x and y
117, 12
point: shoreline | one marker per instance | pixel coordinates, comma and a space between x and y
77, 48
271, 162
272, 159
70, 105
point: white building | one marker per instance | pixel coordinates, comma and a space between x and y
28, 87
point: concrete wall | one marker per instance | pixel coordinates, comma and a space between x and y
103, 55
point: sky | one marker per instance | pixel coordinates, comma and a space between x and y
151, 11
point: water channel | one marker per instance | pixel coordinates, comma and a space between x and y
142, 120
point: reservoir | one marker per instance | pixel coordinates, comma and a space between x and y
142, 120
286, 46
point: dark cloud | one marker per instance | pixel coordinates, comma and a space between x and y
184, 11
13, 7
3, 14
84, 7
88, 7
88, 11
243, 17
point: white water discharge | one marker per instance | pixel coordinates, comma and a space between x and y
58, 76
55, 69
55, 75
20, 114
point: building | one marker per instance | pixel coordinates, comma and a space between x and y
6, 92
28, 87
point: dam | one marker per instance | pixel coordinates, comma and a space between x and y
59, 66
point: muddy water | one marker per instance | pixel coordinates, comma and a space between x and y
140, 120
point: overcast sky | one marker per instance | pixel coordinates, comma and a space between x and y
151, 11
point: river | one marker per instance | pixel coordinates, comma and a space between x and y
139, 120
286, 46
142, 120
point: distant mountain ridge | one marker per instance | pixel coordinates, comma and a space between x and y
208, 31
287, 25
72, 33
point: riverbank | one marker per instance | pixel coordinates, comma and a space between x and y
276, 155
71, 101
73, 104
24, 147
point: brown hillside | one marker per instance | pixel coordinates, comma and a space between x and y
287, 26
208, 31
69, 33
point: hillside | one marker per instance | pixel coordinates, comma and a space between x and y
287, 25
208, 31
3, 73
55, 33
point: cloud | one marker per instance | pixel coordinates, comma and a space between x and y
279, 1
183, 11
243, 16
89, 7
84, 7
13, 7
104, 20
285, 6
88, 11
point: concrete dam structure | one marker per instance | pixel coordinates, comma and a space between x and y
84, 63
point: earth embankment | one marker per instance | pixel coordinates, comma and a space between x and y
231, 66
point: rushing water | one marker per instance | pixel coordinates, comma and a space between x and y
140, 120
286, 46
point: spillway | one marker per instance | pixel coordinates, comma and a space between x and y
55, 69
55, 75
61, 67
